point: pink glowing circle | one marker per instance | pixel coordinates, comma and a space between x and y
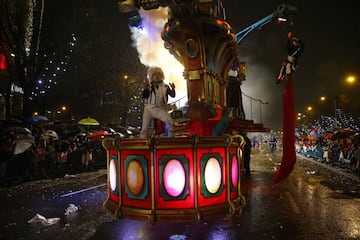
212, 175
174, 178
234, 171
112, 175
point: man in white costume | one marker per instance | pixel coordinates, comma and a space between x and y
155, 96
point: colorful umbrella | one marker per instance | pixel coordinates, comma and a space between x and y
328, 135
345, 132
312, 138
314, 134
89, 122
98, 134
37, 118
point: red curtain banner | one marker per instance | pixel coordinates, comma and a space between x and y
289, 156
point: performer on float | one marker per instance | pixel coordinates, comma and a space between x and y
155, 96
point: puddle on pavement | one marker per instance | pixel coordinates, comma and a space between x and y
338, 192
344, 195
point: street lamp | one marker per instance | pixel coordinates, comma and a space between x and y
299, 115
351, 80
311, 114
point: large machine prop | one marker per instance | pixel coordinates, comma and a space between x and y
183, 179
193, 177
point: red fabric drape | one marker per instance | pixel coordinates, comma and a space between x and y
200, 128
289, 156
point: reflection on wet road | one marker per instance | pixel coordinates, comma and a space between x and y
317, 201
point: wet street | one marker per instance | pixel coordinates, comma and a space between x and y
317, 201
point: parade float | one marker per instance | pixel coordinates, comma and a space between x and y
196, 175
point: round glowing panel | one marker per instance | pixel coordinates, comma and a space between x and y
234, 171
174, 178
135, 177
112, 175
212, 175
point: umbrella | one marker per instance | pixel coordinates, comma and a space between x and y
23, 144
36, 118
13, 121
16, 130
312, 138
313, 135
329, 135
342, 133
88, 122
52, 134
98, 134
70, 130
345, 131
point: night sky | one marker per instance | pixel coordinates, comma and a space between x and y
330, 31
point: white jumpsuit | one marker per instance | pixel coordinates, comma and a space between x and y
155, 107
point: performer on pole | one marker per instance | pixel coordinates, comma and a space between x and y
294, 49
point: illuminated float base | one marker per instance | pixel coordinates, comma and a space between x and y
174, 179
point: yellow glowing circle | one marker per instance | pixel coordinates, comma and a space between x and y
135, 177
212, 175
112, 175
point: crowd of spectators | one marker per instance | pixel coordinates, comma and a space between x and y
35, 151
343, 152
38, 151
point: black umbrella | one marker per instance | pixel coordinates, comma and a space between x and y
16, 130
11, 121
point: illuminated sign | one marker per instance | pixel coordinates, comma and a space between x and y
16, 89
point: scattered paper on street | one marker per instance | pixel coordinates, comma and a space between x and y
71, 209
43, 220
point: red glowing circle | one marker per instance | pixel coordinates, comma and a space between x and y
174, 178
135, 177
234, 171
